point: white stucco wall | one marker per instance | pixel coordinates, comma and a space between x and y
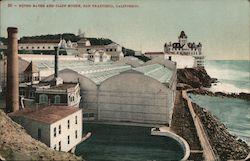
32, 126
47, 130
65, 132
37, 46
182, 61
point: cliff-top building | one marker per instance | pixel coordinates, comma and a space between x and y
113, 50
178, 51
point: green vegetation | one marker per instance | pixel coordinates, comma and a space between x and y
3, 40
73, 38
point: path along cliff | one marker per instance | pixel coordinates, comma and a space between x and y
224, 145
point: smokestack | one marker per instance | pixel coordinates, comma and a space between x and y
12, 96
56, 61
57, 80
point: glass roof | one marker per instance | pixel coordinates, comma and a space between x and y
98, 72
156, 71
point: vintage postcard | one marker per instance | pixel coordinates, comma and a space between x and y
124, 80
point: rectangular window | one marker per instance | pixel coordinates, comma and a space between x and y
91, 114
59, 129
55, 147
68, 124
76, 134
22, 93
68, 140
55, 132
75, 119
39, 133
31, 94
59, 144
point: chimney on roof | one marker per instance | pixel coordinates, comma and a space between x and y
57, 80
12, 95
56, 62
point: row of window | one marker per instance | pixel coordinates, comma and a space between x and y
68, 140
37, 47
43, 98
92, 56
31, 94
111, 50
59, 127
30, 78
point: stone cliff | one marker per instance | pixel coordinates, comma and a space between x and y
194, 77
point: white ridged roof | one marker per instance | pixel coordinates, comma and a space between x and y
156, 71
98, 72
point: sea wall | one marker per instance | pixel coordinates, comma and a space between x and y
227, 146
176, 137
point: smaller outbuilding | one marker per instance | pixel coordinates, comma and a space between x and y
59, 127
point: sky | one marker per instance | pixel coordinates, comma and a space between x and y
222, 26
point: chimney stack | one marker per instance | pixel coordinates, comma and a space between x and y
56, 61
57, 80
12, 96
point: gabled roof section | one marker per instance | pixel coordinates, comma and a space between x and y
183, 35
32, 68
156, 71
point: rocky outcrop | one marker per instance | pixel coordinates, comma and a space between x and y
195, 77
16, 144
227, 146
244, 96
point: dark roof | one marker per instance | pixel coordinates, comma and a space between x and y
49, 114
39, 41
64, 86
152, 53
31, 68
183, 35
177, 45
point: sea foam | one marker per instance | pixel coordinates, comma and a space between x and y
226, 88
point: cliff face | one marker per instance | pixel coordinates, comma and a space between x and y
194, 77
16, 144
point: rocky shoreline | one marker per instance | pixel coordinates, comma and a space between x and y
244, 96
194, 78
226, 145
197, 79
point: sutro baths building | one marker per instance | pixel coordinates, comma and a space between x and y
126, 90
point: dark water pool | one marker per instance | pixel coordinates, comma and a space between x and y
127, 143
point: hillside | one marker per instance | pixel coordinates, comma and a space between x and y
16, 144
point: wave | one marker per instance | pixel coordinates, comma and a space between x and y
226, 88
228, 74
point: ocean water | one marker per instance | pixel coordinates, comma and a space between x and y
232, 112
127, 143
233, 75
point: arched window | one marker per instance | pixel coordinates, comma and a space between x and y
57, 99
43, 98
